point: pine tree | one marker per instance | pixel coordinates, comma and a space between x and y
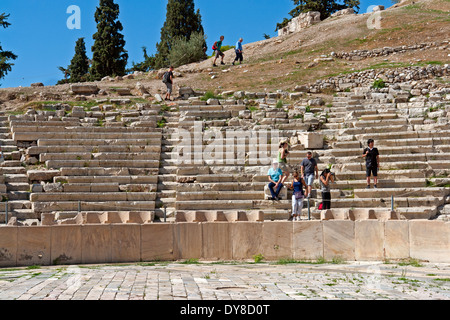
5, 56
181, 21
325, 7
109, 54
79, 66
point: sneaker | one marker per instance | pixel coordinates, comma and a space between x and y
271, 199
232, 63
368, 187
222, 63
375, 186
214, 65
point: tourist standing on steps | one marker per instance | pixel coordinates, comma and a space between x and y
239, 52
372, 162
298, 196
308, 167
168, 80
217, 47
283, 153
275, 177
326, 178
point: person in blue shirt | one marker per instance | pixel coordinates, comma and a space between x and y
276, 181
239, 52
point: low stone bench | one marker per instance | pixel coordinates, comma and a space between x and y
34, 136
219, 216
35, 151
57, 164
99, 142
97, 206
358, 214
108, 179
110, 217
129, 156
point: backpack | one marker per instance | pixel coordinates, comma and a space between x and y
166, 77
214, 47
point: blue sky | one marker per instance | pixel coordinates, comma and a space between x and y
39, 35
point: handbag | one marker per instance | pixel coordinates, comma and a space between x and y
320, 206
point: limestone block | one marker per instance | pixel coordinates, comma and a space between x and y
267, 194
42, 175
311, 140
66, 244
33, 246
188, 240
48, 219
125, 243
216, 241
141, 217
246, 239
157, 242
335, 214
95, 244
118, 217
307, 240
369, 240
430, 240
339, 239
277, 240
396, 243
85, 89
8, 246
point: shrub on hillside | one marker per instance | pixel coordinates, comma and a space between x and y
187, 51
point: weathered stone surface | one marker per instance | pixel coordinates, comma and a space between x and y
339, 239
42, 175
157, 242
300, 22
188, 240
86, 89
66, 245
96, 244
429, 240
307, 240
8, 246
125, 242
369, 240
33, 246
396, 243
277, 240
216, 241
246, 238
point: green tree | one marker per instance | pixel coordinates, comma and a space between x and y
325, 7
79, 66
109, 57
146, 65
5, 56
181, 22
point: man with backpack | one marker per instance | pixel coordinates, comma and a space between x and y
168, 81
217, 49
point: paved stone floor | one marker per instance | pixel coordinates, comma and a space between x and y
229, 281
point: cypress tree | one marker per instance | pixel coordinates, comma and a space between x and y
5, 56
79, 66
109, 54
181, 21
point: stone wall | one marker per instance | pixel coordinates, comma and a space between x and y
308, 240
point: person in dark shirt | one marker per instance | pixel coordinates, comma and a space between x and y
169, 83
372, 163
308, 167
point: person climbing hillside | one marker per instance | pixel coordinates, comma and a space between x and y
239, 52
217, 49
168, 81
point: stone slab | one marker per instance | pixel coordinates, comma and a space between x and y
8, 246
339, 239
430, 240
33, 246
66, 244
157, 242
277, 240
216, 241
246, 239
96, 244
125, 243
396, 241
307, 240
187, 240
369, 240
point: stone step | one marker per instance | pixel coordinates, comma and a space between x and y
34, 136
433, 141
402, 150
351, 176
34, 151
384, 158
92, 196
399, 202
221, 195
18, 186
18, 195
401, 192
232, 204
103, 156
124, 141
99, 206
102, 171
14, 205
83, 130
58, 164
20, 214
122, 180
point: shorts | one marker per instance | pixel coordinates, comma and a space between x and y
371, 171
169, 87
284, 167
309, 179
219, 54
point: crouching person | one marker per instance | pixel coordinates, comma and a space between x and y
276, 179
